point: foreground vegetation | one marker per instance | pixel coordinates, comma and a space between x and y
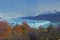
24, 32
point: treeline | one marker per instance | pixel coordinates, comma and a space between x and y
24, 32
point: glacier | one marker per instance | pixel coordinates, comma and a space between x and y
32, 23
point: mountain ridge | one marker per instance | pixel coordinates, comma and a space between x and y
55, 16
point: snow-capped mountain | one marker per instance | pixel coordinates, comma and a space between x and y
51, 16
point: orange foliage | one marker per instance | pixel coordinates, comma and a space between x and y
21, 28
5, 29
18, 28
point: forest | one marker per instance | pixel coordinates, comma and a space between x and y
24, 32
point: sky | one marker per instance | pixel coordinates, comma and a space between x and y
22, 8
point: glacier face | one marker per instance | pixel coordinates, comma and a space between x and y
31, 23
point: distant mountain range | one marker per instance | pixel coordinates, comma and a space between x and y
51, 16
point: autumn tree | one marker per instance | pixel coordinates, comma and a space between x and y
5, 30
20, 32
16, 33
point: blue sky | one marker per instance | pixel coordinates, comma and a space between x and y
27, 7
